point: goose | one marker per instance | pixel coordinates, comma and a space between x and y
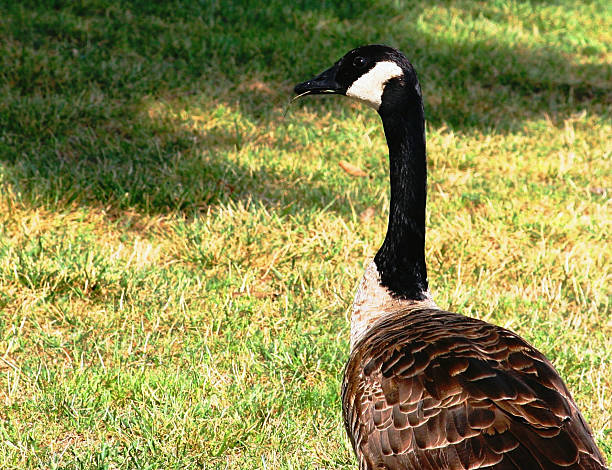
424, 388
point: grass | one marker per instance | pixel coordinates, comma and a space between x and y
178, 256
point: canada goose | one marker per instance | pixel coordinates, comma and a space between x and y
425, 388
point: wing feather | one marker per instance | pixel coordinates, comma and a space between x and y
431, 389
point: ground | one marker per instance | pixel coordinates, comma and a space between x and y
179, 246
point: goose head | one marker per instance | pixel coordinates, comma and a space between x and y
379, 76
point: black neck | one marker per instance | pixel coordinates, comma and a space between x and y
401, 258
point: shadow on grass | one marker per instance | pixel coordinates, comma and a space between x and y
79, 81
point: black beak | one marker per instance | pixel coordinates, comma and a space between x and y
322, 83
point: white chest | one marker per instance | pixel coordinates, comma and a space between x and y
374, 302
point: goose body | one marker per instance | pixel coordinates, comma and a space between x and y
425, 388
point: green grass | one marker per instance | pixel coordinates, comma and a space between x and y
178, 256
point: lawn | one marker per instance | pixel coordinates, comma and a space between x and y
179, 247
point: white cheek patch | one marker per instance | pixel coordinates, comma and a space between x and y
369, 87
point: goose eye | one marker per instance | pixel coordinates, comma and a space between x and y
359, 62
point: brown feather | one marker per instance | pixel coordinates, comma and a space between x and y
431, 389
